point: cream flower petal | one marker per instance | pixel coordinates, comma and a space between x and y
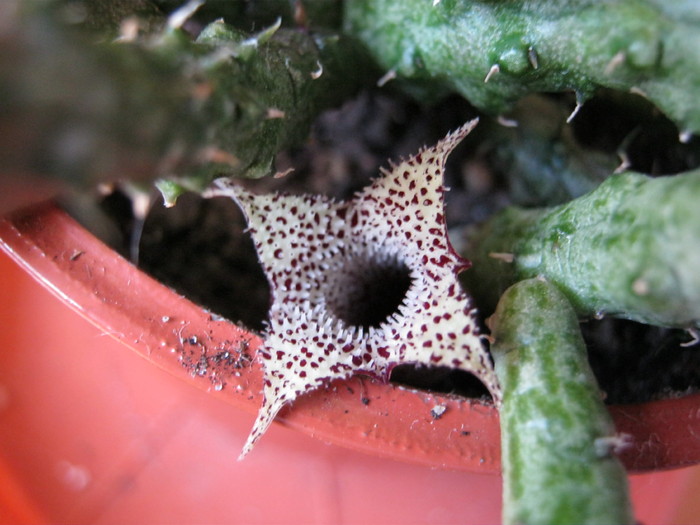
361, 286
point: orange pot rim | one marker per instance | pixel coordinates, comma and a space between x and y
215, 355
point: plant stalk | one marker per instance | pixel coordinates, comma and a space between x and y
627, 249
557, 438
493, 53
77, 108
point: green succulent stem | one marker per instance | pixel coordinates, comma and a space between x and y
558, 440
627, 249
493, 53
163, 104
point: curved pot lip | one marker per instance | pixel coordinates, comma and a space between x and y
215, 355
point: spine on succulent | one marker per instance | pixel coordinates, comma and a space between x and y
493, 53
627, 249
558, 440
163, 104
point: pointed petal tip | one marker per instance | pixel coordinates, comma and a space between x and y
266, 415
455, 137
449, 142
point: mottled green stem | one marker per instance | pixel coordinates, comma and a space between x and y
162, 105
558, 440
493, 53
628, 249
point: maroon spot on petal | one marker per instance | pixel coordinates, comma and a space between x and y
443, 261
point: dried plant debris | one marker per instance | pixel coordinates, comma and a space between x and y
363, 285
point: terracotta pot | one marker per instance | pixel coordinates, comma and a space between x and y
181, 338
217, 356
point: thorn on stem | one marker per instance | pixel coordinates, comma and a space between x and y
532, 57
319, 71
694, 338
578, 107
505, 257
387, 77
614, 63
494, 69
685, 136
507, 122
638, 91
178, 18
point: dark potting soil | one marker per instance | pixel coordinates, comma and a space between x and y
200, 249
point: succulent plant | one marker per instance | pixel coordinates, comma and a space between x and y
361, 286
164, 105
557, 437
494, 53
626, 249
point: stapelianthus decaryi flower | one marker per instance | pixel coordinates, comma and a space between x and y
363, 285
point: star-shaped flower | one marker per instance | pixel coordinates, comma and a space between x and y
363, 285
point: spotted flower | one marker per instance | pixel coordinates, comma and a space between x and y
363, 285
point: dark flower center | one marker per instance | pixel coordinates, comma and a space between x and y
370, 290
